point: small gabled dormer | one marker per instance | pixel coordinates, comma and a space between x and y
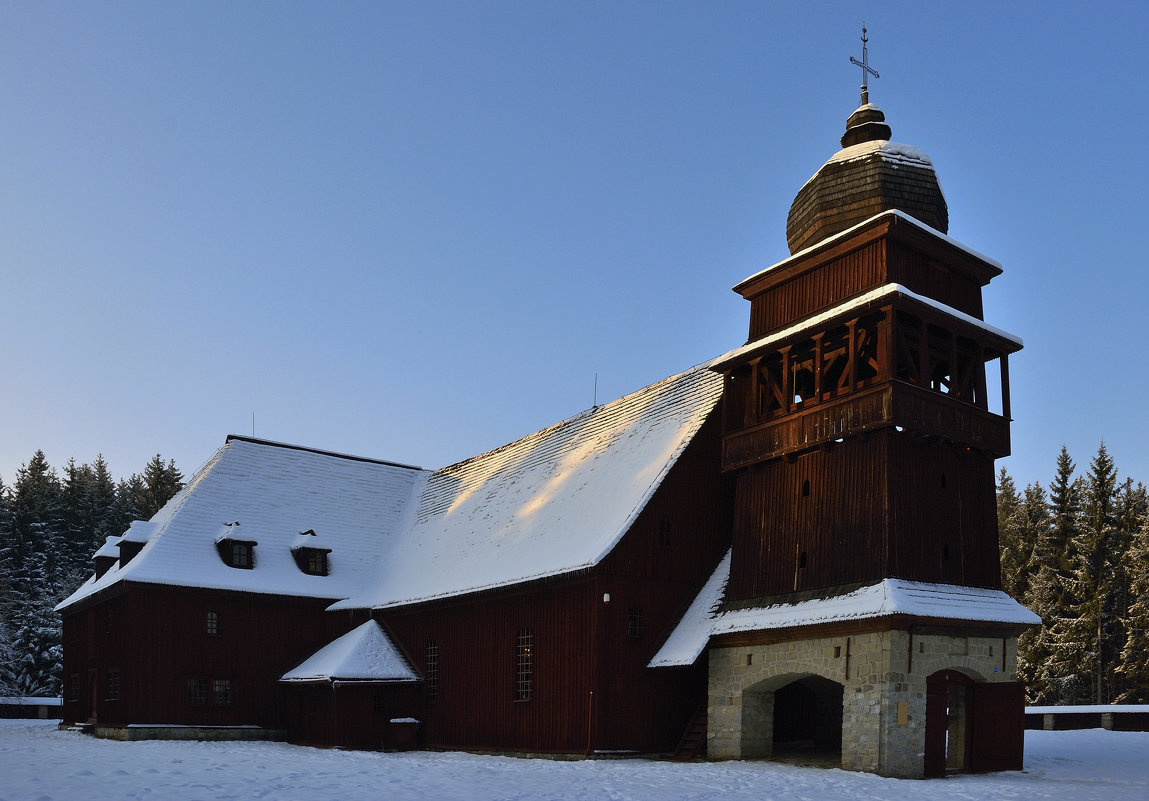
310, 556
234, 550
106, 556
134, 540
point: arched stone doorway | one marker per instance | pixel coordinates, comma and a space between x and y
949, 702
793, 718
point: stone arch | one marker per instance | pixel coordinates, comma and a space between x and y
795, 713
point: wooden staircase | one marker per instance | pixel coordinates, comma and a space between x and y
693, 741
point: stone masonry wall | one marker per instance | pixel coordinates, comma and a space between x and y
883, 700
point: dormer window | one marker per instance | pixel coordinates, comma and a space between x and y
234, 551
316, 562
241, 555
309, 557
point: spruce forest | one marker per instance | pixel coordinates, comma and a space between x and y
50, 525
1075, 551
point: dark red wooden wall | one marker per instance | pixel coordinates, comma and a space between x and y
886, 505
157, 638
591, 686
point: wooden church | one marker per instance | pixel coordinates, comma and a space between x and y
789, 551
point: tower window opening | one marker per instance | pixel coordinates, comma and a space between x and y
802, 560
806, 488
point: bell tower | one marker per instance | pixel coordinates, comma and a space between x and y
857, 422
862, 611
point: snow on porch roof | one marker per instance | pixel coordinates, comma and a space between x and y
554, 502
365, 653
886, 598
274, 491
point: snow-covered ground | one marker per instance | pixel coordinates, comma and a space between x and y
39, 763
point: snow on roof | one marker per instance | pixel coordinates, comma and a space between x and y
886, 598
110, 549
275, 492
854, 303
689, 638
365, 653
821, 243
139, 531
554, 502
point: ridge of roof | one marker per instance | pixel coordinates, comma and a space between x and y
320, 452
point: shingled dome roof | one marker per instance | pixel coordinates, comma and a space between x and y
869, 175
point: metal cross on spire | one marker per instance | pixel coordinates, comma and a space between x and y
867, 70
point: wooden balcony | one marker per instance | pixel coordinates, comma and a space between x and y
921, 411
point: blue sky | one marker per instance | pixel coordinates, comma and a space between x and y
416, 231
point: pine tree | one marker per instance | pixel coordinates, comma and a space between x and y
32, 560
1093, 576
160, 482
1056, 654
77, 503
1015, 545
7, 653
1134, 667
128, 492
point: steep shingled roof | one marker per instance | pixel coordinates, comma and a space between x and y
273, 492
551, 503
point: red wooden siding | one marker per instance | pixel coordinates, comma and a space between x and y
591, 688
159, 641
887, 505
884, 254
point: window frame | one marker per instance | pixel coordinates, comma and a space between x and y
524, 666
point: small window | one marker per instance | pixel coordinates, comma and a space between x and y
802, 560
317, 563
221, 692
74, 688
197, 692
107, 621
113, 693
241, 555
211, 624
634, 622
664, 533
806, 488
945, 551
524, 644
431, 671
943, 480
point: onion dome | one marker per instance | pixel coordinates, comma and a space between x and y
869, 175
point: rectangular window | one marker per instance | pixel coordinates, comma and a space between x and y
431, 671
221, 692
241, 555
523, 665
664, 533
316, 562
211, 621
74, 687
113, 693
634, 622
197, 692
